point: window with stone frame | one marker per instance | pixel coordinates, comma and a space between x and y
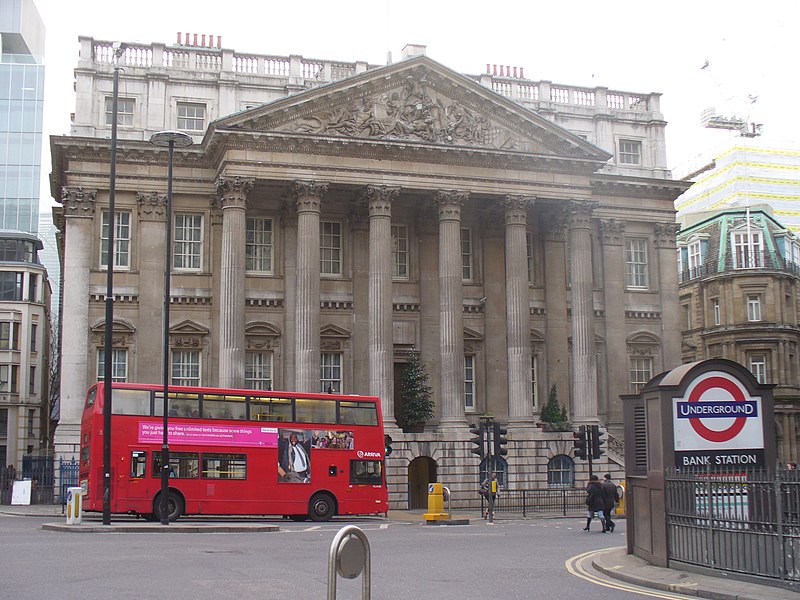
561, 471
125, 111
259, 245
695, 258
122, 239
469, 383
534, 369
10, 335
747, 249
187, 242
11, 283
753, 307
258, 370
757, 363
185, 367
636, 263
399, 251
466, 254
641, 371
9, 378
630, 152
716, 311
119, 364
330, 372
530, 246
330, 248
191, 116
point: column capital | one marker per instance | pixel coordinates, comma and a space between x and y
516, 209
78, 202
580, 214
554, 225
308, 195
232, 191
152, 206
449, 203
612, 232
379, 199
665, 234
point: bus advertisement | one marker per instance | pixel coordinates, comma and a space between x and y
235, 452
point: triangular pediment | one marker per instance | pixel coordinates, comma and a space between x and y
189, 327
413, 102
332, 331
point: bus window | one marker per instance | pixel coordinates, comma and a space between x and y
270, 409
315, 411
130, 402
224, 466
182, 465
138, 463
366, 472
181, 404
357, 413
223, 407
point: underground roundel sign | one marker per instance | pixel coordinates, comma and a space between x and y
718, 424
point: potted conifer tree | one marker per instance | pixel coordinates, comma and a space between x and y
416, 403
554, 415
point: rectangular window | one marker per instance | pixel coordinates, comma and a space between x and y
366, 472
469, 383
34, 331
31, 422
119, 364
695, 259
258, 248
529, 242
716, 310
186, 367
308, 410
758, 367
33, 286
399, 252
182, 465
258, 370
224, 466
636, 263
630, 152
125, 108
330, 378
122, 239
753, 307
11, 286
3, 424
32, 381
466, 254
9, 335
641, 372
188, 244
357, 413
534, 369
8, 378
747, 250
138, 463
330, 248
191, 116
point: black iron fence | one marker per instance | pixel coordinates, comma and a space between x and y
537, 501
48, 481
739, 521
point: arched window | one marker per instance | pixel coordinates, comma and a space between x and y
499, 466
561, 471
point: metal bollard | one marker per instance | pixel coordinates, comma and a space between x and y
349, 556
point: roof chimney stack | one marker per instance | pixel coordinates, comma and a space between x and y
412, 50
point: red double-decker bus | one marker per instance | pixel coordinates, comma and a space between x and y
235, 452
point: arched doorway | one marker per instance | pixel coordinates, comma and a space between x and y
421, 471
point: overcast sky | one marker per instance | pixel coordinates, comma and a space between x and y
750, 47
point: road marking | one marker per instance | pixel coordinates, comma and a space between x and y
575, 566
385, 526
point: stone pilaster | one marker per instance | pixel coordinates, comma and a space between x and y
79, 234
666, 246
552, 224
381, 346
232, 193
451, 307
584, 359
518, 318
616, 354
308, 199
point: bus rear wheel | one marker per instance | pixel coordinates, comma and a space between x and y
321, 507
174, 507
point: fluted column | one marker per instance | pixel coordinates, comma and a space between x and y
616, 355
232, 193
308, 197
584, 359
79, 234
451, 306
518, 318
381, 346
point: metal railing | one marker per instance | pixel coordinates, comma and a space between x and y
537, 501
739, 521
49, 482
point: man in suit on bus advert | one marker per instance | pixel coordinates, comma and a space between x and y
294, 463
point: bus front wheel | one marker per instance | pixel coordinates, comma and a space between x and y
174, 506
321, 507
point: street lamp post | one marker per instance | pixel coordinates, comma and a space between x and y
171, 140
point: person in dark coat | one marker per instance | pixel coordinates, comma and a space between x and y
594, 502
610, 499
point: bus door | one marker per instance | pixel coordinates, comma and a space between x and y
131, 476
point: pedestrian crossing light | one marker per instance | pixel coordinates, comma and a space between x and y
387, 444
597, 442
579, 442
500, 440
479, 440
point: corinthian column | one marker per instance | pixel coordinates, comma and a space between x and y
518, 319
79, 233
584, 360
308, 197
232, 193
451, 306
381, 346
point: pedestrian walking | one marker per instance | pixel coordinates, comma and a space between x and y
594, 502
610, 499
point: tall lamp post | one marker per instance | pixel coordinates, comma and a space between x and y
171, 140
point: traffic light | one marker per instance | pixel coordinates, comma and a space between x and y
579, 442
479, 440
597, 442
500, 440
387, 444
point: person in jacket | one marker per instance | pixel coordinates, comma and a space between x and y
594, 502
610, 499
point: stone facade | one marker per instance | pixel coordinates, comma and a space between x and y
340, 222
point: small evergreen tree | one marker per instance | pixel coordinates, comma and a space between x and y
554, 413
415, 394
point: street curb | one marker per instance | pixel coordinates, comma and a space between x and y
158, 528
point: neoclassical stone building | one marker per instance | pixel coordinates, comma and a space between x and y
332, 218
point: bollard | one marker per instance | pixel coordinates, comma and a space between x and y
349, 556
74, 505
621, 505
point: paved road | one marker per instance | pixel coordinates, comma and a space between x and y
511, 559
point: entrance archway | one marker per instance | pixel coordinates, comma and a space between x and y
421, 471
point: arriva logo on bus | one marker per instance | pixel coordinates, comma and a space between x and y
718, 424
